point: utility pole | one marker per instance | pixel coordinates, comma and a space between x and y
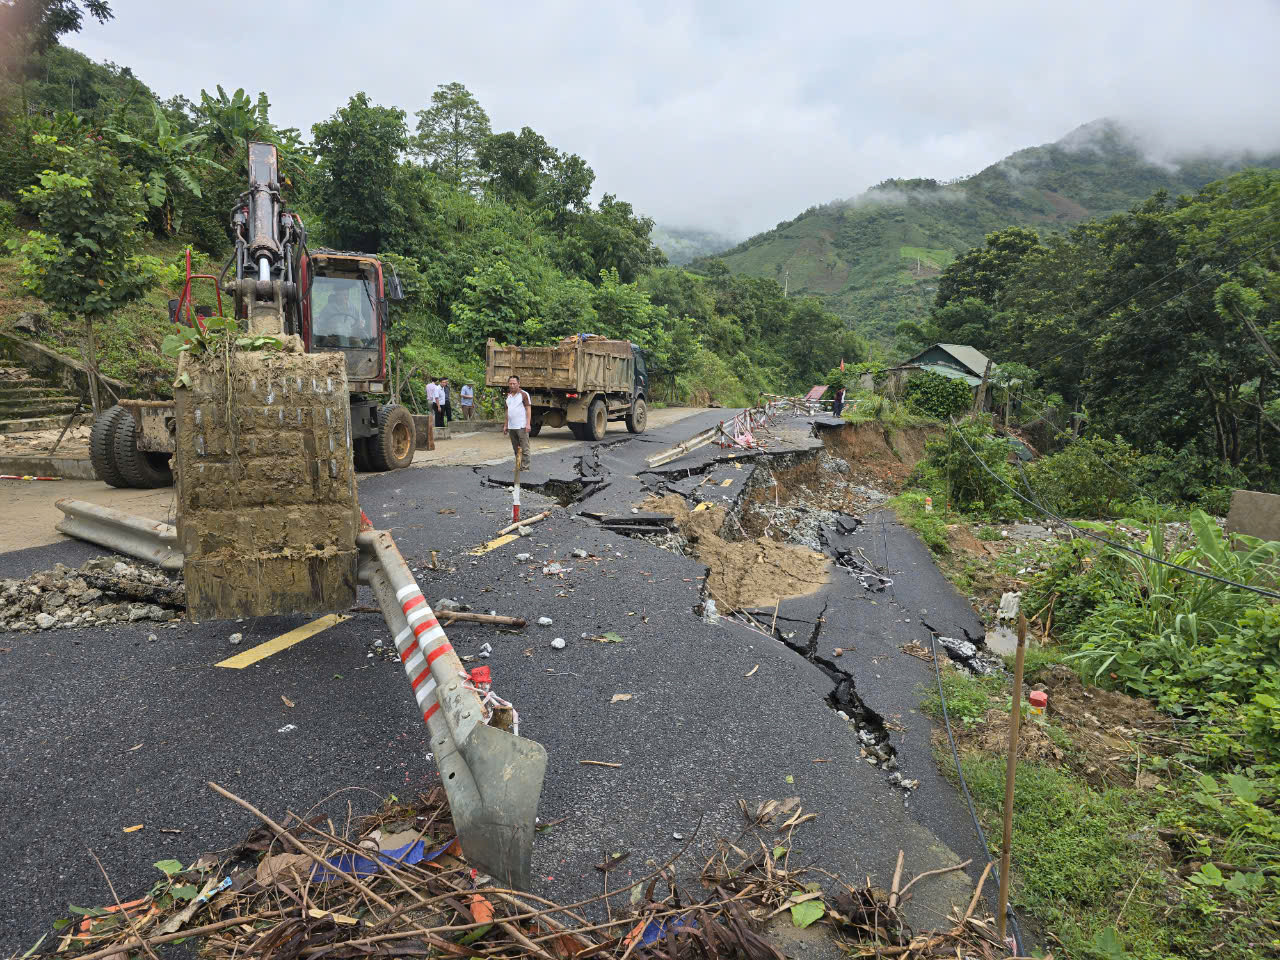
786, 282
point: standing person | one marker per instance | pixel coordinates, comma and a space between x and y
446, 394
435, 399
519, 416
837, 405
468, 394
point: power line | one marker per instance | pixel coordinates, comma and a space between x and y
1105, 540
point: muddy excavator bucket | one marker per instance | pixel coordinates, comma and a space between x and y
493, 778
267, 514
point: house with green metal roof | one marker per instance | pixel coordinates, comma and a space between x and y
955, 360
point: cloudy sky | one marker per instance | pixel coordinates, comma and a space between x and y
733, 116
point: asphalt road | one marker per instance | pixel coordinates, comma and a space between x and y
108, 728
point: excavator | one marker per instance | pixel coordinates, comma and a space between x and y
333, 301
272, 414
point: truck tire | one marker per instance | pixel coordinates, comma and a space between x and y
394, 446
143, 469
637, 416
597, 419
102, 447
579, 431
535, 428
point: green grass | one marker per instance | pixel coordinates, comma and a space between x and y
867, 407
938, 259
930, 526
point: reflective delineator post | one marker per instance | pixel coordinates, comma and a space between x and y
515, 491
493, 779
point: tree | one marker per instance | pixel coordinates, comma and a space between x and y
359, 150
450, 133
84, 261
31, 27
513, 165
983, 272
168, 163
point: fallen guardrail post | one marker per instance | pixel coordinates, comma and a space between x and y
149, 540
493, 778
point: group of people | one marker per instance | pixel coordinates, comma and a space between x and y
519, 413
440, 399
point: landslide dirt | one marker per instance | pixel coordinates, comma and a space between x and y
879, 456
743, 573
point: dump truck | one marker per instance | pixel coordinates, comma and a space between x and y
337, 302
583, 382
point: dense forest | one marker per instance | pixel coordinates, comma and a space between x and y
494, 234
876, 258
1159, 325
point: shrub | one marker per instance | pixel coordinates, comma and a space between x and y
937, 396
975, 481
1086, 479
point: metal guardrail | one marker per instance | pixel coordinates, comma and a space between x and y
738, 431
148, 540
493, 778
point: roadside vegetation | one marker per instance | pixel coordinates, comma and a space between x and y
1151, 828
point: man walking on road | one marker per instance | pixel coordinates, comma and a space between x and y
468, 401
837, 404
519, 416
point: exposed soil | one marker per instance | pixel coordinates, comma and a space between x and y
879, 456
743, 573
1100, 731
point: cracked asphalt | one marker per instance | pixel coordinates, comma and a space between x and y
106, 729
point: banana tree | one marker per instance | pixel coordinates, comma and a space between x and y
168, 163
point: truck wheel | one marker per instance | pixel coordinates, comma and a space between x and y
579, 431
535, 428
143, 469
102, 447
597, 419
637, 416
394, 446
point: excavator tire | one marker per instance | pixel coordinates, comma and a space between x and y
394, 446
140, 468
102, 447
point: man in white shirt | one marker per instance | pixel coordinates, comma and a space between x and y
435, 397
519, 416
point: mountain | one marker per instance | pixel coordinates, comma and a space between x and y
875, 259
685, 244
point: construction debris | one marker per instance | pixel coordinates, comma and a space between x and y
103, 590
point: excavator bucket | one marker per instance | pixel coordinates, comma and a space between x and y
267, 514
493, 778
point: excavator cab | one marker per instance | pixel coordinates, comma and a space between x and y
344, 310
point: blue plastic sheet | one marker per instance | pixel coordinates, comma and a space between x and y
658, 929
358, 866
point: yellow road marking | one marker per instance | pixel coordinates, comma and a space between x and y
494, 544
282, 642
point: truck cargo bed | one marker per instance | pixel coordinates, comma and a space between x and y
574, 365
